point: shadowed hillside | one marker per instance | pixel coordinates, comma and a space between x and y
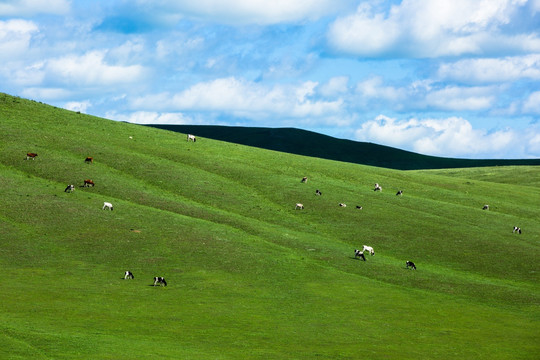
302, 142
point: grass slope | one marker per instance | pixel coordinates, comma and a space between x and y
302, 142
249, 277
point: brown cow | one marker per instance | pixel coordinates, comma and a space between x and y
88, 183
89, 159
31, 156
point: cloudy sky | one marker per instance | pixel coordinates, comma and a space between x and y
456, 78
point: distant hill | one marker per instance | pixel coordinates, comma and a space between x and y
308, 143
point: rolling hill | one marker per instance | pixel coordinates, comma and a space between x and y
250, 277
308, 143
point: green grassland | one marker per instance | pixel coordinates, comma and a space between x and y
250, 277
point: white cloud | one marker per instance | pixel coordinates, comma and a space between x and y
430, 29
451, 137
532, 104
374, 88
492, 70
15, 36
150, 117
461, 98
335, 86
261, 12
47, 94
33, 7
246, 99
91, 69
80, 106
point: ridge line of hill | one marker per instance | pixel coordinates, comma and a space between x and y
312, 144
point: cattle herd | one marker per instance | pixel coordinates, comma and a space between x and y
159, 280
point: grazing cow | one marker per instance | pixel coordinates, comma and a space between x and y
486, 207
359, 207
368, 248
89, 160
342, 205
516, 229
299, 206
399, 193
31, 156
359, 254
128, 275
377, 188
411, 264
159, 280
107, 205
69, 188
88, 183
304, 179
317, 192
191, 138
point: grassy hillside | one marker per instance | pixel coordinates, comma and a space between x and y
302, 142
248, 276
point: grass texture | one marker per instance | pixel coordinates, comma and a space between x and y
250, 277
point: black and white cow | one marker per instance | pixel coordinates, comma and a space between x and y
411, 264
359, 207
342, 205
377, 187
486, 207
159, 280
399, 193
317, 192
128, 275
69, 188
516, 230
359, 254
304, 179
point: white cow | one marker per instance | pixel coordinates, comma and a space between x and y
299, 206
107, 205
191, 138
368, 248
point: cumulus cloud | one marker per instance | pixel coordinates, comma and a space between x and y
245, 99
150, 117
261, 12
451, 137
15, 36
91, 69
430, 29
457, 98
33, 7
491, 70
532, 104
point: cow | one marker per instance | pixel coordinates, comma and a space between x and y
128, 275
377, 187
31, 156
486, 207
516, 230
159, 280
368, 248
317, 192
88, 183
342, 205
69, 188
89, 160
399, 193
359, 254
359, 207
107, 205
411, 264
304, 179
299, 206
191, 138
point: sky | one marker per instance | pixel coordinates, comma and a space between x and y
451, 78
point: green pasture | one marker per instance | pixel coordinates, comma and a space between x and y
250, 277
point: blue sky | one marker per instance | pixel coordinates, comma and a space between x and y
455, 78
